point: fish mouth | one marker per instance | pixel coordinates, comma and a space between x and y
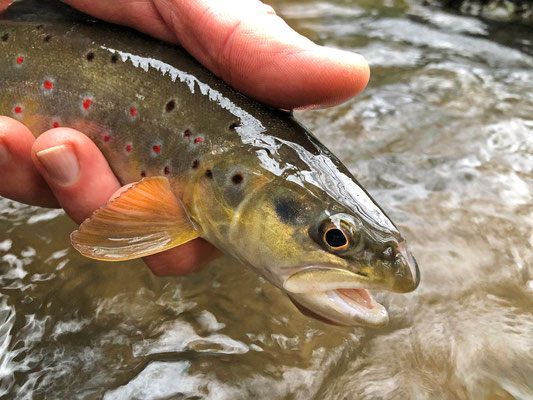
335, 296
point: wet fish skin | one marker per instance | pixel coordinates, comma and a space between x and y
252, 180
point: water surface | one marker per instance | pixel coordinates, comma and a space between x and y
443, 140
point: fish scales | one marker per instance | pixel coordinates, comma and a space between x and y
249, 179
121, 102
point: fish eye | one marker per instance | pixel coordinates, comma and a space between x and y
336, 238
339, 233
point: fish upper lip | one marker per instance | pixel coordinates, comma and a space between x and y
356, 281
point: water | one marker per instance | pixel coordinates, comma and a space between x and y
442, 138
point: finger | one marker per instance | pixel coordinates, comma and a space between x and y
138, 14
4, 4
245, 43
250, 47
75, 170
181, 260
82, 181
20, 180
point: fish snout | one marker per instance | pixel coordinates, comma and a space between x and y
405, 271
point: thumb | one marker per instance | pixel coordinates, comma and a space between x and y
255, 51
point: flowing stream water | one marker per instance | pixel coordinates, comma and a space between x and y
443, 140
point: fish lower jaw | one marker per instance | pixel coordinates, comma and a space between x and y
360, 305
344, 307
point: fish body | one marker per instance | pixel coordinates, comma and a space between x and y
247, 178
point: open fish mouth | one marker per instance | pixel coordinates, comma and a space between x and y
335, 296
345, 307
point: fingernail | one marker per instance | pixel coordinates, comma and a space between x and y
61, 164
4, 153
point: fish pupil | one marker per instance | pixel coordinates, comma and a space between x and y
336, 238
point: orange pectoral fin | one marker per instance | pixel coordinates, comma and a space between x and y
143, 220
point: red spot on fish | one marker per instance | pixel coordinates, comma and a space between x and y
133, 111
156, 148
87, 103
48, 85
198, 140
167, 170
106, 138
128, 147
143, 174
56, 124
18, 109
20, 60
187, 133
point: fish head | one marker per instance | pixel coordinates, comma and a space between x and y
326, 251
339, 291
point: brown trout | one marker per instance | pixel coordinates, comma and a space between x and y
210, 163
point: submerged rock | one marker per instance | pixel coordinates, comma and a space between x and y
501, 10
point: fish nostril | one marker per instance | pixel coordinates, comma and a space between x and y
399, 265
388, 254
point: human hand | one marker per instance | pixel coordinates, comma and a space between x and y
242, 41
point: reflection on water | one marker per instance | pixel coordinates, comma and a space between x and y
443, 139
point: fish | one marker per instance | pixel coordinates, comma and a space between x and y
205, 161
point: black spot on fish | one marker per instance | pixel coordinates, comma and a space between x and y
143, 174
114, 58
234, 126
90, 56
187, 133
5, 37
47, 38
287, 209
170, 105
195, 164
208, 173
237, 179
